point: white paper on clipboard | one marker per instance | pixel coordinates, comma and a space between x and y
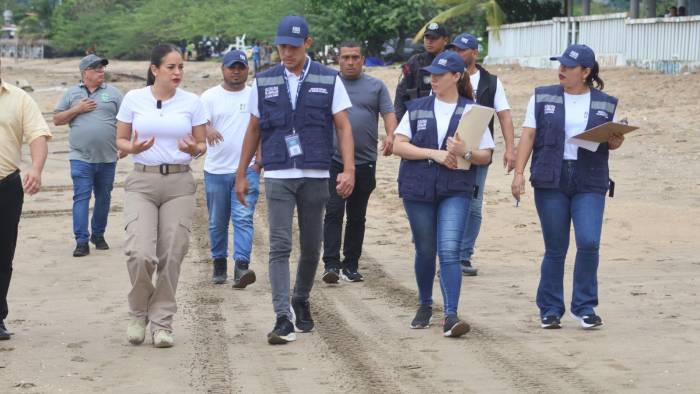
471, 128
588, 145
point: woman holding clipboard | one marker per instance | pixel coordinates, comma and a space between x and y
570, 182
436, 195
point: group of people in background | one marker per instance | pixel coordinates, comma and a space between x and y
312, 133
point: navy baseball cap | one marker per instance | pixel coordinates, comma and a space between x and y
447, 61
464, 41
233, 57
576, 55
292, 30
436, 30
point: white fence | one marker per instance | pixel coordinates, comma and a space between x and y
670, 45
22, 49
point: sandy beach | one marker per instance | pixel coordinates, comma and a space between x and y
69, 314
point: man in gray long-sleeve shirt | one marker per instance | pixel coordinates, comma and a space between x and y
369, 97
90, 108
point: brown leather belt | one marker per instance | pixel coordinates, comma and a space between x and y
163, 169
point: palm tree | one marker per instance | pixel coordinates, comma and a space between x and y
495, 16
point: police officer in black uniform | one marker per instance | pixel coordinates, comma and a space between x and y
414, 81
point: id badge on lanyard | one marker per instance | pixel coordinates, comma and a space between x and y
292, 141
293, 145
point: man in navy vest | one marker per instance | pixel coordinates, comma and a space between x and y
294, 107
489, 92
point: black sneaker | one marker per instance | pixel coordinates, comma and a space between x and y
81, 249
454, 327
423, 317
588, 321
351, 276
467, 269
302, 316
550, 322
5, 334
99, 242
220, 267
331, 275
282, 333
242, 275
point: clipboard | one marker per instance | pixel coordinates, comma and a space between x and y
602, 133
471, 129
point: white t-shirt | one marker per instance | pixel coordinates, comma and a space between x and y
443, 114
228, 113
172, 122
575, 122
341, 102
500, 101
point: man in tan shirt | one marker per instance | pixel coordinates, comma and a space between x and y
20, 121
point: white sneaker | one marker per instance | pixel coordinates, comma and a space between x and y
163, 338
136, 331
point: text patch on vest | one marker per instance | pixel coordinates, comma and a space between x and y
549, 108
602, 113
318, 90
422, 124
272, 91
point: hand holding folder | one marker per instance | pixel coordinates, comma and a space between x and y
471, 128
590, 139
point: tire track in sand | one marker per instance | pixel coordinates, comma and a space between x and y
526, 371
210, 364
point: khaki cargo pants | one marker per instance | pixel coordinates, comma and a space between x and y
158, 214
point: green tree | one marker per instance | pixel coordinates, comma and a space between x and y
130, 28
372, 22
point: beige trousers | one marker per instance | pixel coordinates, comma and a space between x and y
158, 212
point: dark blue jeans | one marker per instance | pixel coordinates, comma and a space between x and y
89, 178
557, 209
474, 217
437, 229
224, 206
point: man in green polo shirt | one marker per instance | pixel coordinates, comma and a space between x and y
90, 108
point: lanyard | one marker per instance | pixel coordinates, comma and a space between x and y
304, 71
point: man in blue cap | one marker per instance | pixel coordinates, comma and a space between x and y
295, 107
227, 108
489, 92
415, 82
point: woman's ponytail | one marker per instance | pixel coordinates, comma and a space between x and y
593, 80
464, 86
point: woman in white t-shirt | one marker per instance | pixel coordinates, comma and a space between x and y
570, 181
163, 127
436, 195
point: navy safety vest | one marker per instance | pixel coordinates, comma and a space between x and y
312, 120
592, 175
426, 180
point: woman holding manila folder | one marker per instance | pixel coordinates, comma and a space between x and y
569, 182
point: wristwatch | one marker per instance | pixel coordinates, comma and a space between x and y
468, 156
198, 155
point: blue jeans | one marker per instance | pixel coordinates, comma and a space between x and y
224, 206
474, 217
437, 229
557, 208
89, 178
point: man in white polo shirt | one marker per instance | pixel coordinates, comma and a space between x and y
227, 106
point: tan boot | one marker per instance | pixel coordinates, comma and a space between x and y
136, 332
163, 338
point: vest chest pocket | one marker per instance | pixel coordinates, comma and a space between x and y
315, 118
548, 135
272, 119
